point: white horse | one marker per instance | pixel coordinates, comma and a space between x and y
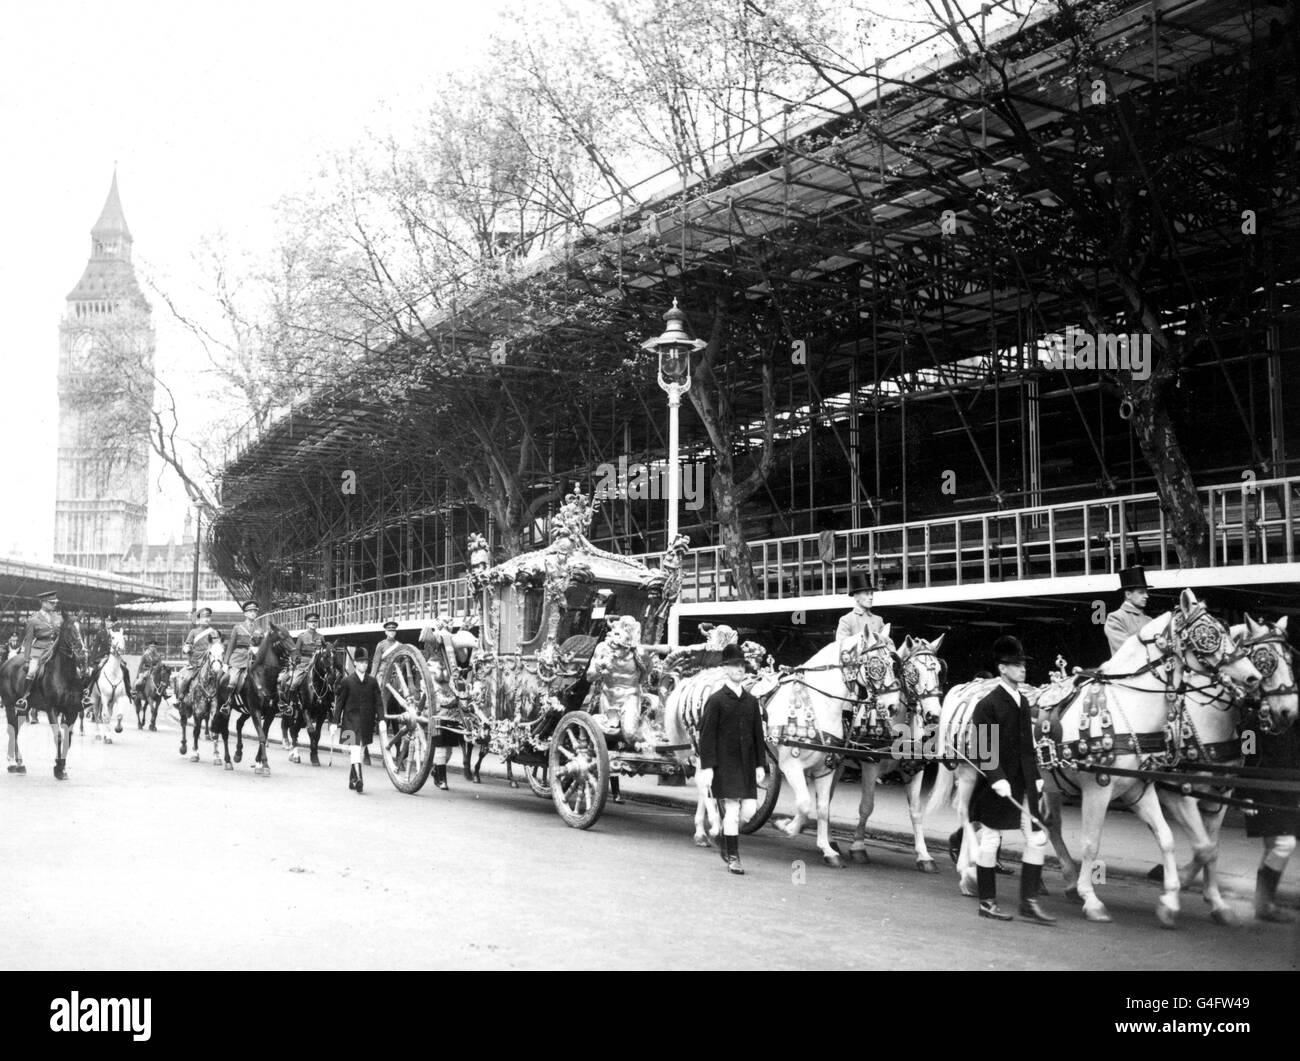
809, 706
910, 724
682, 714
1118, 719
109, 695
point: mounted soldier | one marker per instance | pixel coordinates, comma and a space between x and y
38, 641
195, 650
1131, 616
151, 658
244, 637
863, 590
305, 646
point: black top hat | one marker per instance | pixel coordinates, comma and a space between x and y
361, 656
391, 624
249, 604
1008, 649
205, 613
731, 654
312, 617
1133, 578
860, 581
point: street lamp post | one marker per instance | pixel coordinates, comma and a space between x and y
674, 348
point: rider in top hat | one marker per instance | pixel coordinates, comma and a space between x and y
862, 589
1129, 617
1002, 728
38, 640
732, 752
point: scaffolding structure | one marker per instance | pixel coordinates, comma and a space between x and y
900, 352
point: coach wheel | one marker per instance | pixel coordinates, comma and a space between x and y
405, 696
579, 769
768, 793
539, 780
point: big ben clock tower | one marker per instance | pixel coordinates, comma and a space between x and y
106, 350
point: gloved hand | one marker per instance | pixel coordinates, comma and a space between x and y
1040, 784
760, 775
706, 776
1002, 788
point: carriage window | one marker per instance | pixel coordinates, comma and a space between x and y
532, 614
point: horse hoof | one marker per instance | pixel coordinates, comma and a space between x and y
514, 784
183, 749
294, 756
834, 861
153, 728
1096, 914
1224, 915
229, 766
118, 727
477, 780
926, 865
194, 758
858, 856
315, 761
1167, 918
239, 757
108, 740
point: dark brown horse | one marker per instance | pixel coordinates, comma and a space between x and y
311, 703
57, 689
257, 697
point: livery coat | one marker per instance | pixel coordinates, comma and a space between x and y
356, 706
1123, 623
732, 743
1009, 756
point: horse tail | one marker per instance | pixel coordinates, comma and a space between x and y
942, 793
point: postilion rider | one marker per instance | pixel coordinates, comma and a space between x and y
1131, 616
1009, 782
618, 671
198, 643
863, 590
244, 637
732, 748
39, 637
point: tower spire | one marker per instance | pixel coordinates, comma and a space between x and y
112, 219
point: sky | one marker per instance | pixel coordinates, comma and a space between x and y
211, 114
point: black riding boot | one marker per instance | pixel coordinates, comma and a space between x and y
352, 777
1266, 909
987, 877
1030, 878
614, 791
733, 855
360, 782
440, 777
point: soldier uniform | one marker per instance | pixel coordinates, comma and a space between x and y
39, 638
244, 637
305, 646
732, 749
861, 618
1128, 618
198, 643
387, 645
151, 658
1004, 739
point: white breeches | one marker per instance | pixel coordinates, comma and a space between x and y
1279, 852
734, 811
1035, 844
354, 755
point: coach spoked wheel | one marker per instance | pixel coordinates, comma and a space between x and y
539, 780
406, 692
579, 768
768, 793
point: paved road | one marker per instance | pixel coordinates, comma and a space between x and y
145, 860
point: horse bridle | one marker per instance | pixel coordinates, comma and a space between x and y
912, 677
1265, 658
